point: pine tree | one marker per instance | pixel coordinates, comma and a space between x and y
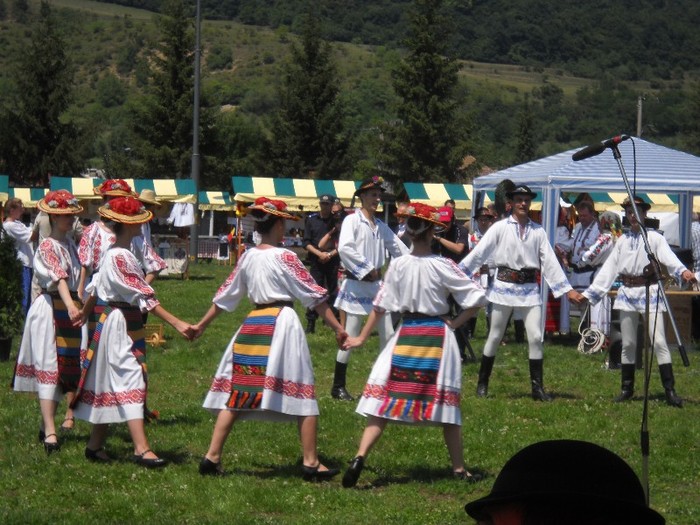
163, 120
426, 143
526, 149
35, 142
308, 131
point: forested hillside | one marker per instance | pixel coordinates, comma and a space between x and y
631, 39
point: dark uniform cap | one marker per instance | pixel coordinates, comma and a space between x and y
568, 472
521, 189
326, 198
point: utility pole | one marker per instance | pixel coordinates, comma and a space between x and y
194, 229
640, 101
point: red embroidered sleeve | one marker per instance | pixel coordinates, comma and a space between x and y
294, 266
132, 276
52, 260
85, 245
230, 278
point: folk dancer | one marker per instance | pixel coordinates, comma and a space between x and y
417, 377
484, 219
23, 237
49, 355
114, 382
364, 241
520, 249
266, 371
627, 263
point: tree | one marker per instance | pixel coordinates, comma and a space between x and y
425, 143
163, 119
308, 130
35, 142
525, 149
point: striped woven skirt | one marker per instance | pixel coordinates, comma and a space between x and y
417, 377
113, 380
266, 371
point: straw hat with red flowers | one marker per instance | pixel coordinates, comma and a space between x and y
271, 207
59, 202
125, 210
114, 188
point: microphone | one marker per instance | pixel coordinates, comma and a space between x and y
597, 149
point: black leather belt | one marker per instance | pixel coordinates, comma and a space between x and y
524, 276
276, 304
366, 278
633, 281
415, 315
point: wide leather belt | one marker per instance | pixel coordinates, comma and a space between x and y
276, 304
633, 281
415, 315
524, 276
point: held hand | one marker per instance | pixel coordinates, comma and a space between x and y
575, 297
340, 338
352, 342
75, 316
688, 277
197, 331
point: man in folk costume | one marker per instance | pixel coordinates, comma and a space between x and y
628, 262
520, 249
364, 241
585, 234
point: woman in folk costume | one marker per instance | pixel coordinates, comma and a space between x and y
113, 382
49, 356
417, 378
266, 370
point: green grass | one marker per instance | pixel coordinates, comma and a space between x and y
407, 479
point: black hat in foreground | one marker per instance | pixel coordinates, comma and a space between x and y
567, 472
521, 189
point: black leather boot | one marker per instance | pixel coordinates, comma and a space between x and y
338, 391
519, 331
536, 372
482, 387
311, 326
667, 379
627, 374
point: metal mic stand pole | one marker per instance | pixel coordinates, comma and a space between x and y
654, 274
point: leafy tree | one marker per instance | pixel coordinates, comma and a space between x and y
110, 91
308, 130
3, 10
20, 11
426, 143
35, 142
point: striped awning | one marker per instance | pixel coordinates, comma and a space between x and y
216, 200
4, 187
301, 194
435, 194
167, 190
28, 196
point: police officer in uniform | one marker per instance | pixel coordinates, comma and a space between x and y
323, 263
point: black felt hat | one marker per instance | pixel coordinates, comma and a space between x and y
641, 203
521, 189
565, 472
371, 183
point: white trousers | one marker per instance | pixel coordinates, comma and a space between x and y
353, 326
531, 315
628, 328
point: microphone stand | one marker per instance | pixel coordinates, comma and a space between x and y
653, 274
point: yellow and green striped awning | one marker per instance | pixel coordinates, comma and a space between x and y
4, 187
301, 194
167, 190
28, 196
216, 200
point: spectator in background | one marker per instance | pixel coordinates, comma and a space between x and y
484, 219
565, 482
401, 227
585, 234
323, 261
24, 237
695, 244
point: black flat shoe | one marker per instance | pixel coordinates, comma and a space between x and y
313, 474
63, 429
148, 463
352, 474
51, 447
208, 468
339, 392
93, 455
465, 475
42, 436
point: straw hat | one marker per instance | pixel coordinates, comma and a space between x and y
59, 202
428, 214
125, 210
149, 197
269, 207
114, 188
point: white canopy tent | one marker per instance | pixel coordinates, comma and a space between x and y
658, 170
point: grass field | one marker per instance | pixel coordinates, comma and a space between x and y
407, 479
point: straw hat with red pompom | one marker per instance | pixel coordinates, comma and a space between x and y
277, 208
114, 188
59, 202
125, 210
429, 214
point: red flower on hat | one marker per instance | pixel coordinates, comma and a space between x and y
60, 199
126, 206
423, 210
115, 185
276, 205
